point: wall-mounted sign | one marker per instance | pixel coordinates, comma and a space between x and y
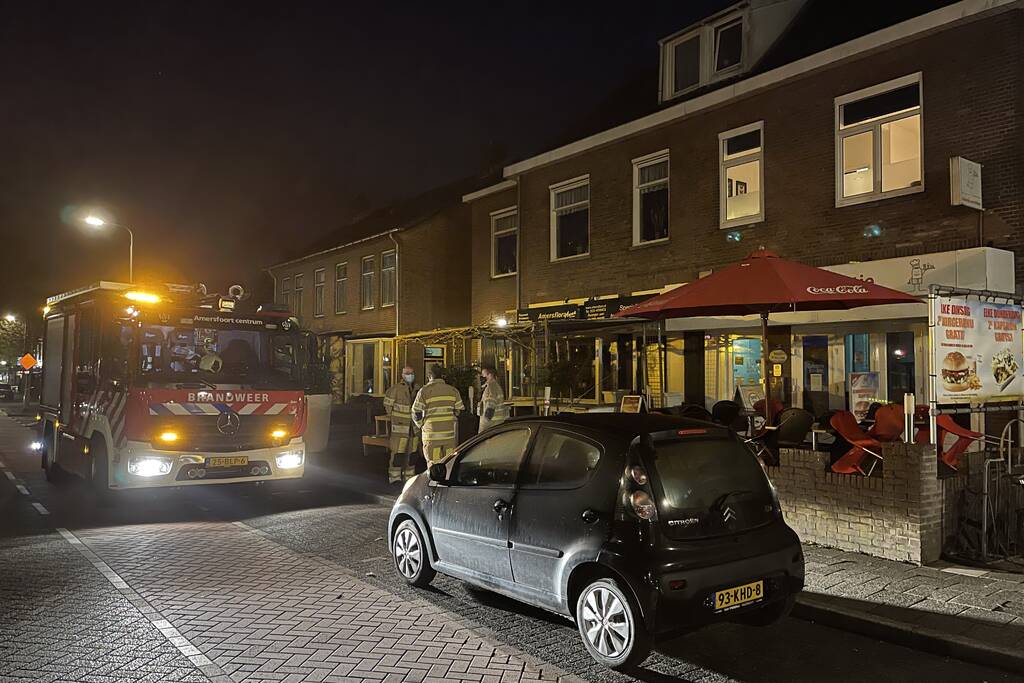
594, 309
978, 352
965, 183
433, 354
778, 356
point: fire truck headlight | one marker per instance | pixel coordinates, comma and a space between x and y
37, 445
289, 460
168, 437
149, 466
279, 433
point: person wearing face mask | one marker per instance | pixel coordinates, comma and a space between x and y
404, 441
491, 409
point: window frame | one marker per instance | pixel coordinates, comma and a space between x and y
538, 439
641, 162
343, 281
725, 164
363, 290
394, 276
495, 234
875, 126
565, 185
707, 54
318, 292
456, 460
285, 293
297, 289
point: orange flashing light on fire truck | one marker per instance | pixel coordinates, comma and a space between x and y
166, 386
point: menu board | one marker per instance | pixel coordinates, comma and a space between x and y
978, 351
863, 392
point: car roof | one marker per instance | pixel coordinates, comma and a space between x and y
627, 424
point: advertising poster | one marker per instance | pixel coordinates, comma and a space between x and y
863, 392
978, 353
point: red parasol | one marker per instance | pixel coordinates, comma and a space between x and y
762, 284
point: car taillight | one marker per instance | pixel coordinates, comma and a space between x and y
639, 475
643, 505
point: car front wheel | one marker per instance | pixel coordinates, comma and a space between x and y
410, 553
611, 625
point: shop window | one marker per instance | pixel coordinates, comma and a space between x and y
650, 198
340, 287
879, 146
388, 277
816, 393
367, 276
702, 56
285, 293
319, 280
900, 378
297, 295
570, 219
504, 242
858, 353
741, 176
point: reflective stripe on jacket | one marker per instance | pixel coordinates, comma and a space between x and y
493, 399
398, 405
434, 411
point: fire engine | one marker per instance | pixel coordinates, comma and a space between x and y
168, 386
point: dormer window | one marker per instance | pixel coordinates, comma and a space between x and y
702, 56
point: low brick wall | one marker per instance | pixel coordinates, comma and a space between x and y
896, 516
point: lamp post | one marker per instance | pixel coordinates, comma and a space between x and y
97, 222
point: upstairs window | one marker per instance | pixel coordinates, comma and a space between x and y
388, 277
319, 278
340, 287
366, 282
570, 219
702, 56
741, 179
286, 290
504, 242
879, 146
650, 198
297, 296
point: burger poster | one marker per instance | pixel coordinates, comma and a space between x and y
978, 352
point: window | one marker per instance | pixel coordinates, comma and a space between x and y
340, 287
702, 56
741, 200
650, 198
494, 461
286, 290
363, 370
560, 461
388, 277
504, 242
570, 219
366, 282
879, 146
319, 277
297, 296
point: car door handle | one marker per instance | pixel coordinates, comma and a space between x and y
500, 507
590, 516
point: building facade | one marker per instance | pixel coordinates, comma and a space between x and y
839, 158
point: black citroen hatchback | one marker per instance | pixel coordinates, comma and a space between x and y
638, 527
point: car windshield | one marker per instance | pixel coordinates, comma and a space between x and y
710, 486
186, 354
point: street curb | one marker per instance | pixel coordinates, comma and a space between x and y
819, 609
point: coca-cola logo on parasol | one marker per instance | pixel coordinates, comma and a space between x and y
840, 289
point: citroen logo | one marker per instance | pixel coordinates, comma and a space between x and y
228, 423
728, 515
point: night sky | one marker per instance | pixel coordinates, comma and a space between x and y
228, 135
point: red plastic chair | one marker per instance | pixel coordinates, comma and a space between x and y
845, 424
946, 425
888, 423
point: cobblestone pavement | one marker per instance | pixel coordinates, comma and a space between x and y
295, 584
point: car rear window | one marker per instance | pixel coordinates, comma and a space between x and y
710, 487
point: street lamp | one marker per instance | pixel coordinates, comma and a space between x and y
97, 222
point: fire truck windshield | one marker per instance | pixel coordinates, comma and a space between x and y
182, 354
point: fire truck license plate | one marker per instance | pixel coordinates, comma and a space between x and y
739, 596
234, 461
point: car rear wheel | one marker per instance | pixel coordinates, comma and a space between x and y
611, 625
770, 614
410, 554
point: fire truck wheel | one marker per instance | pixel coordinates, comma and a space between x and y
52, 469
98, 475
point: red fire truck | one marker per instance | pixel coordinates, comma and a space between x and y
169, 386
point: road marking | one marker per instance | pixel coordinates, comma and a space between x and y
10, 475
40, 509
24, 491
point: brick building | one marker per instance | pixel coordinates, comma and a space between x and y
829, 142
379, 278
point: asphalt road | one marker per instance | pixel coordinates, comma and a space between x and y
319, 519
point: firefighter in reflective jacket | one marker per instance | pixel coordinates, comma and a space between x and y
492, 410
404, 439
434, 412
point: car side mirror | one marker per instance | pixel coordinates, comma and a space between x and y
438, 473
